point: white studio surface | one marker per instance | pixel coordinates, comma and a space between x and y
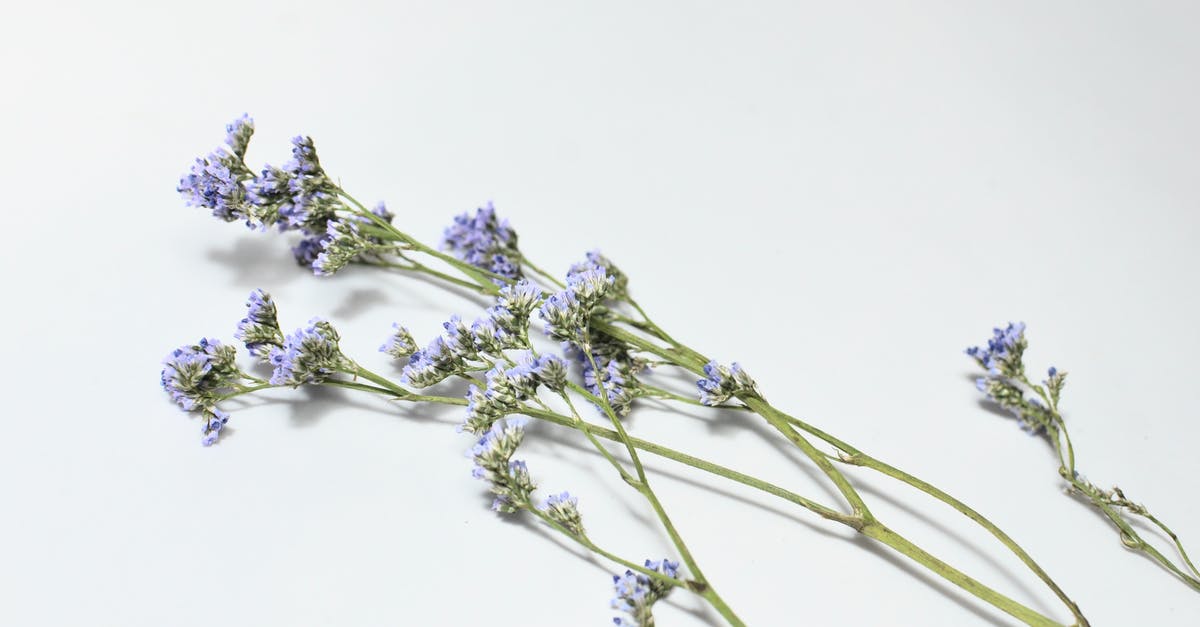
839, 198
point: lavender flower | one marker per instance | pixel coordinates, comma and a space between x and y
510, 480
401, 344
637, 593
594, 259
488, 338
721, 383
508, 387
564, 510
1004, 351
381, 212
431, 365
567, 312
1003, 384
216, 182
484, 242
459, 338
259, 330
196, 377
342, 243
217, 420
613, 381
307, 250
237, 135
520, 298
309, 355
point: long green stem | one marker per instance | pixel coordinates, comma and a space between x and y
643, 483
905, 547
694, 362
1057, 432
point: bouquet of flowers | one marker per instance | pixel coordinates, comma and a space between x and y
575, 350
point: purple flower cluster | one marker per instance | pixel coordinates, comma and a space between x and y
432, 364
1005, 380
508, 387
237, 135
563, 509
342, 244
1002, 356
218, 181
309, 355
721, 383
567, 313
297, 197
196, 376
611, 381
484, 242
593, 259
259, 330
401, 344
504, 326
637, 593
509, 478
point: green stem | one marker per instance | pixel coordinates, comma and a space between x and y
694, 362
422, 269
545, 275
879, 532
482, 278
860, 459
643, 484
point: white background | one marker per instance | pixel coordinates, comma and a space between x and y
839, 198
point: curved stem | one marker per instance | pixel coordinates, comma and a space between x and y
905, 547
866, 461
694, 362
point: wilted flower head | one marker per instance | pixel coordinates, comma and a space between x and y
564, 509
1005, 379
637, 593
509, 478
237, 135
196, 376
508, 387
259, 330
216, 182
1004, 351
431, 365
594, 259
520, 298
614, 380
484, 242
342, 243
401, 344
309, 355
721, 383
567, 312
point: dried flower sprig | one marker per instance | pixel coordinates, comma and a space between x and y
1035, 406
201, 376
612, 341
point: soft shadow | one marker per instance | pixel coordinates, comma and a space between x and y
359, 301
259, 259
